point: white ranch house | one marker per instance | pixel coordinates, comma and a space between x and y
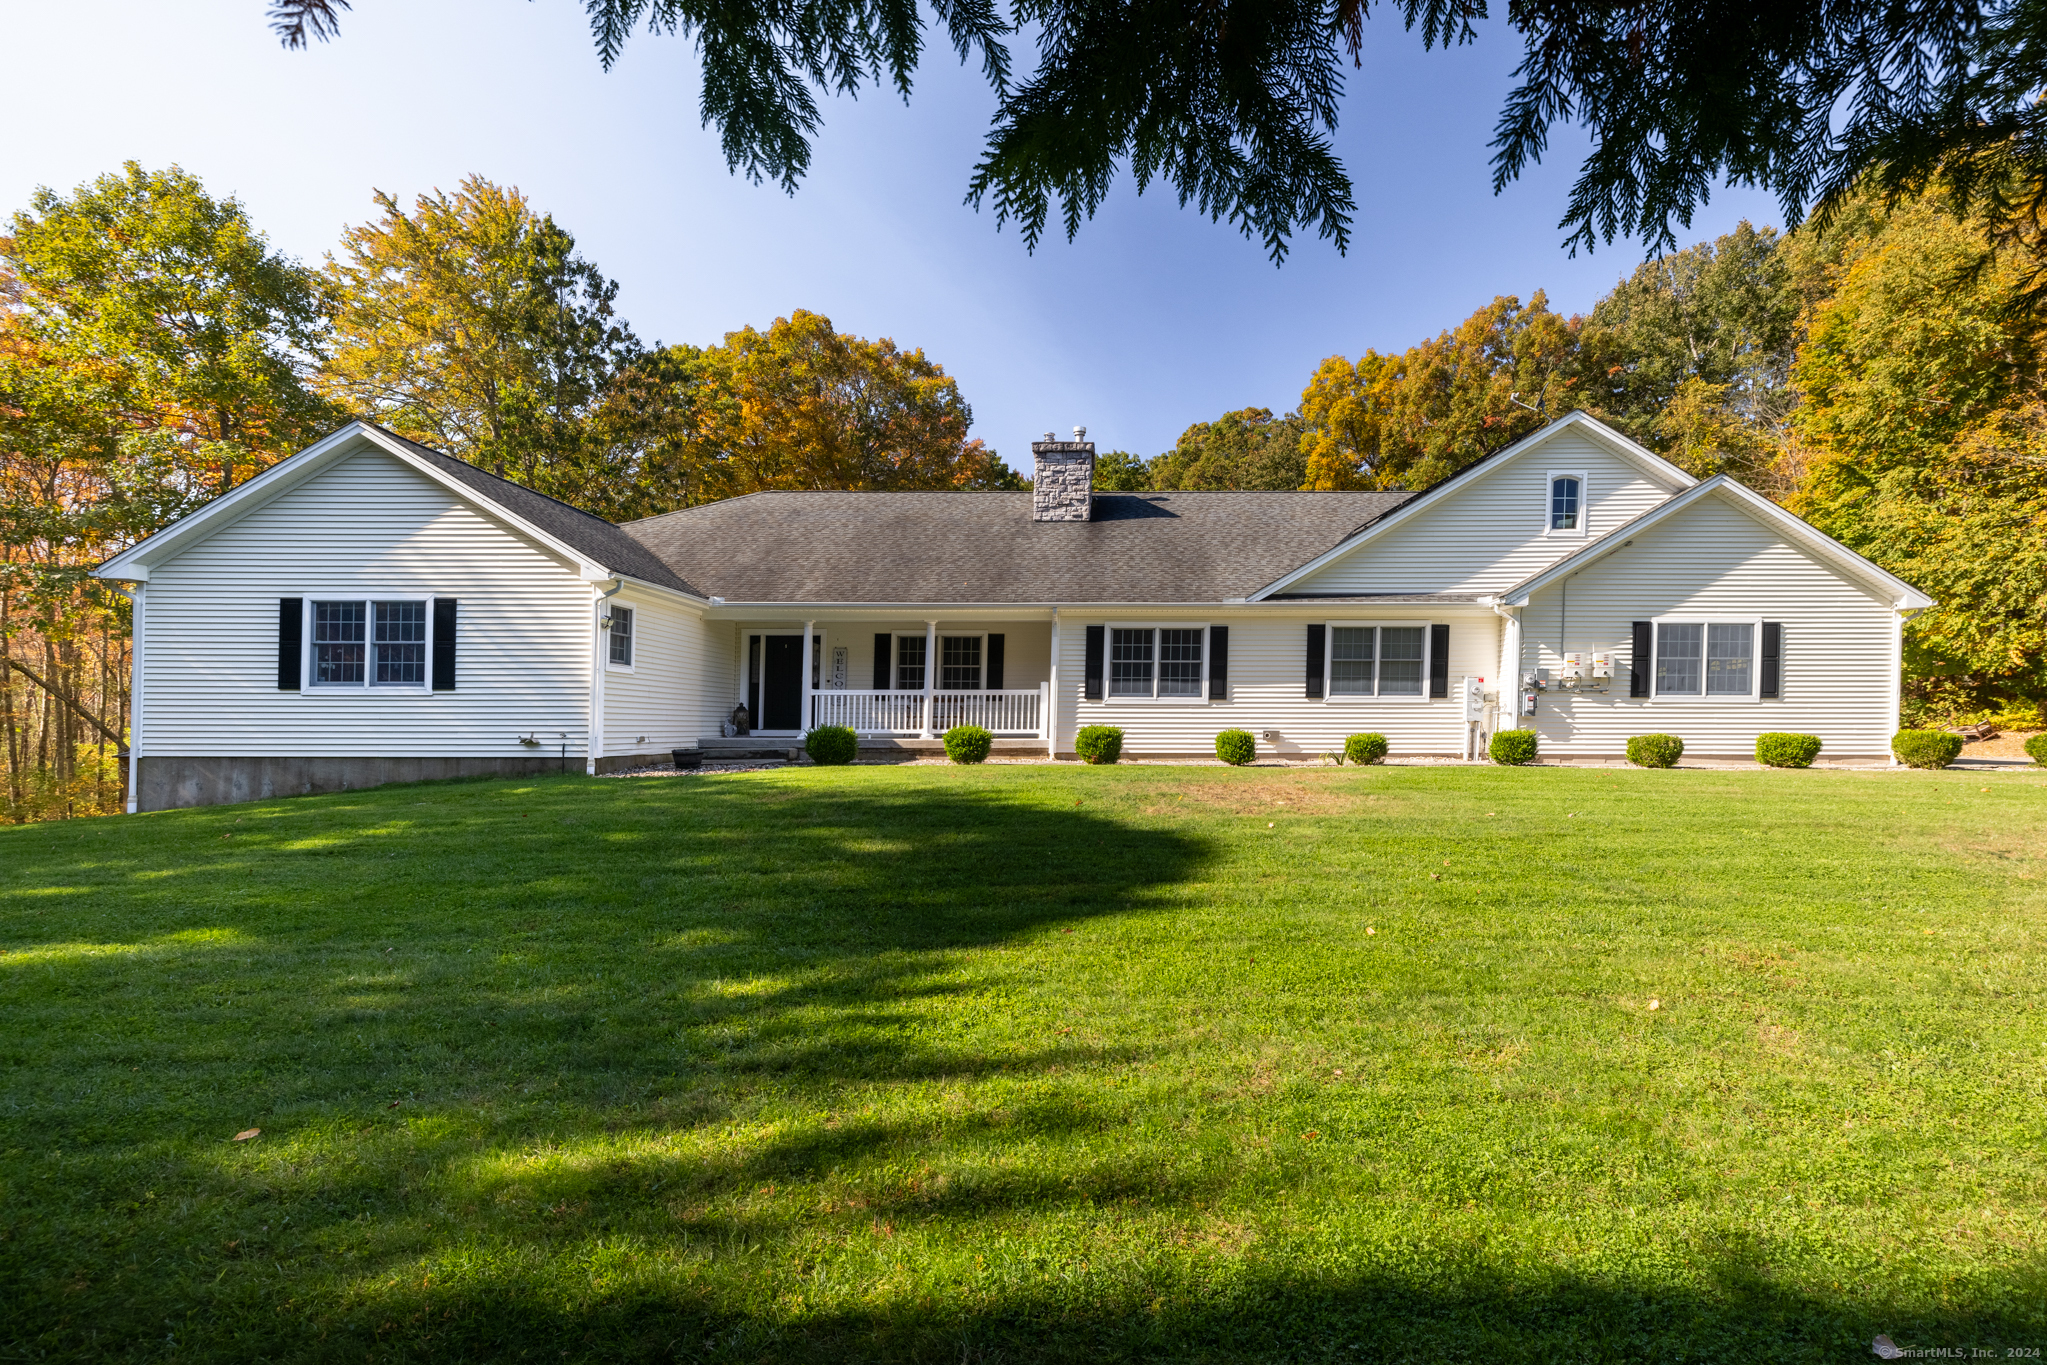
371, 610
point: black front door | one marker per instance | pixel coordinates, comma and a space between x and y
782, 683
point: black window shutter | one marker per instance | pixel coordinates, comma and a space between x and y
1091, 675
1218, 663
1317, 633
291, 638
993, 682
1439, 660
444, 644
1640, 660
884, 651
1773, 658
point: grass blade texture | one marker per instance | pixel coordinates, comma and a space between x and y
1030, 1063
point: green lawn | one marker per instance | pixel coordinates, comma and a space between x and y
1028, 1063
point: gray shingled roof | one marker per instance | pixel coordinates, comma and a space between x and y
984, 547
609, 545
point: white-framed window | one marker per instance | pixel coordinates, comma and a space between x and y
909, 663
959, 662
621, 637
1709, 658
1158, 662
1564, 502
1386, 659
363, 643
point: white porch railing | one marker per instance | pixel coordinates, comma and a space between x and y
1010, 712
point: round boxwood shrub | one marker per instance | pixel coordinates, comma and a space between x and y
1782, 749
831, 744
1655, 751
2036, 748
1099, 743
1365, 748
1513, 747
968, 743
1926, 748
1236, 747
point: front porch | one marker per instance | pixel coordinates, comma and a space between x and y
924, 678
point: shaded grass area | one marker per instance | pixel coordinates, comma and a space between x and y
926, 1064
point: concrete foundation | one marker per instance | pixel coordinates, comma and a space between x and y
169, 783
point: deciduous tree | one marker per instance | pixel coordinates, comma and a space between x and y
1246, 449
802, 406
472, 325
1419, 416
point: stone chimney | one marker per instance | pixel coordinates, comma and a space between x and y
1063, 478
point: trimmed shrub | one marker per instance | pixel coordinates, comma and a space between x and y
1926, 748
1236, 747
1655, 751
831, 744
968, 744
1099, 743
1782, 749
1366, 748
2036, 748
1512, 748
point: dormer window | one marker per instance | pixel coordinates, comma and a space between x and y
1564, 491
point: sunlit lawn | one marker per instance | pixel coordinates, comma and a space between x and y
1027, 1063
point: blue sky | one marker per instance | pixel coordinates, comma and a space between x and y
1153, 318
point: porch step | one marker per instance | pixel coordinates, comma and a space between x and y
718, 749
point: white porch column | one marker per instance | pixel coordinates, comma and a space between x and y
804, 722
930, 673
1049, 715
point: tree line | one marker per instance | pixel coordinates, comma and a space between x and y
155, 352
1879, 374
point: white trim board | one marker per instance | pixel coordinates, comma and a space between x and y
1653, 467
1797, 532
133, 564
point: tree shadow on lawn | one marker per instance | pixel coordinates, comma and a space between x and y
1434, 1307
614, 1020
394, 986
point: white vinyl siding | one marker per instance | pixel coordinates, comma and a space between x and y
680, 685
1714, 564
1268, 673
1494, 531
366, 529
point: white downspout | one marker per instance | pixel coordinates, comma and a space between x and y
599, 657
135, 595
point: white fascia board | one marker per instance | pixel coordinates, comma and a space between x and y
288, 473
133, 564
1653, 466
589, 568
1796, 530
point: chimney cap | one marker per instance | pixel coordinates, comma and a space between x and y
1048, 438
1080, 434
